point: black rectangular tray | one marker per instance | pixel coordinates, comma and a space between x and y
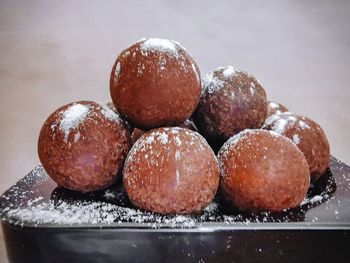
43, 223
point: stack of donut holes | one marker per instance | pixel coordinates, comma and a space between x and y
160, 133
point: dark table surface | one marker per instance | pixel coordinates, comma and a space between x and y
35, 207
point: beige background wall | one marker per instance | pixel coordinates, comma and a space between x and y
55, 52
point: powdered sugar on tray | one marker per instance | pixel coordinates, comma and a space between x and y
31, 201
69, 212
72, 117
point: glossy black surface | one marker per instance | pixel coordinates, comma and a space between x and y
330, 206
316, 232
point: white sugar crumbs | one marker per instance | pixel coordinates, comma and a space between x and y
149, 139
163, 138
280, 125
109, 194
303, 125
229, 71
77, 137
162, 63
110, 208
244, 135
177, 155
178, 141
273, 105
212, 83
234, 140
280, 122
296, 139
72, 117
160, 45
314, 199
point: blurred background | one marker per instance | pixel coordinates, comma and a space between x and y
56, 52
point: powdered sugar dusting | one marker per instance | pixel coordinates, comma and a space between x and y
229, 82
145, 142
279, 122
159, 45
273, 105
32, 202
229, 71
296, 139
271, 119
211, 83
149, 139
163, 138
157, 144
77, 137
223, 152
303, 125
280, 125
234, 140
178, 141
109, 113
72, 117
314, 199
110, 207
214, 82
162, 63
177, 155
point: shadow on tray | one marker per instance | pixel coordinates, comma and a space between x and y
319, 192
